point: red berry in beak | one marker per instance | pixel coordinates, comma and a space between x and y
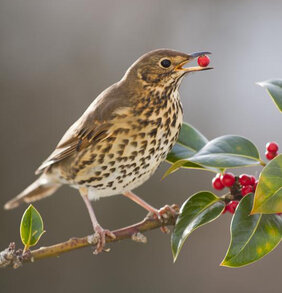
203, 61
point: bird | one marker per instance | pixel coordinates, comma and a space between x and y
121, 139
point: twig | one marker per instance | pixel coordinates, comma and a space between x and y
15, 258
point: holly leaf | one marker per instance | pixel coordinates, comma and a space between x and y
188, 165
201, 208
268, 196
252, 236
31, 228
228, 151
274, 88
190, 141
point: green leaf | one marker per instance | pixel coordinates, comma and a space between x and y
188, 165
268, 196
274, 88
31, 228
179, 152
201, 208
190, 141
228, 151
252, 236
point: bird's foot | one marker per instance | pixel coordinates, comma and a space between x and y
168, 210
100, 238
163, 214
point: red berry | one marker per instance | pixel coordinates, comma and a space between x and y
231, 207
203, 61
227, 179
216, 182
225, 209
255, 185
272, 147
253, 180
246, 190
245, 179
270, 155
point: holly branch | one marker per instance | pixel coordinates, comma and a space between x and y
16, 258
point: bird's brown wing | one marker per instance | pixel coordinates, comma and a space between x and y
75, 141
93, 126
79, 136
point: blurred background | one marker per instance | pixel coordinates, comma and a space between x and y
56, 56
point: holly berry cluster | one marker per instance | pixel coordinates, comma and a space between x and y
241, 185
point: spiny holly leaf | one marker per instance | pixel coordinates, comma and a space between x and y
190, 141
201, 208
268, 196
31, 228
252, 236
274, 88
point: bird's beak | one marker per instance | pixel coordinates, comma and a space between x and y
191, 57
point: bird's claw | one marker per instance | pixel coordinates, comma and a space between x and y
100, 237
168, 211
163, 214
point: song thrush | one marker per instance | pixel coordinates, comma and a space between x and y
120, 140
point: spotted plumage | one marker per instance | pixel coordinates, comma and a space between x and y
121, 139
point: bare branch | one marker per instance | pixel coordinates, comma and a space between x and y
15, 258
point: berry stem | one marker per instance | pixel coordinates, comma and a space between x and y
262, 163
226, 197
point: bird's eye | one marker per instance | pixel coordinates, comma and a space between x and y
165, 63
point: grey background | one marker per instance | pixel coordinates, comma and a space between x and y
56, 56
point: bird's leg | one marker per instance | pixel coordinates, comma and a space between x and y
98, 230
161, 214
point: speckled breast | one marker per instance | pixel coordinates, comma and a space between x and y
140, 140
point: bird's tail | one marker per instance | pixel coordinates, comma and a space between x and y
42, 187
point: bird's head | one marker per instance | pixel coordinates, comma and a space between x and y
163, 67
